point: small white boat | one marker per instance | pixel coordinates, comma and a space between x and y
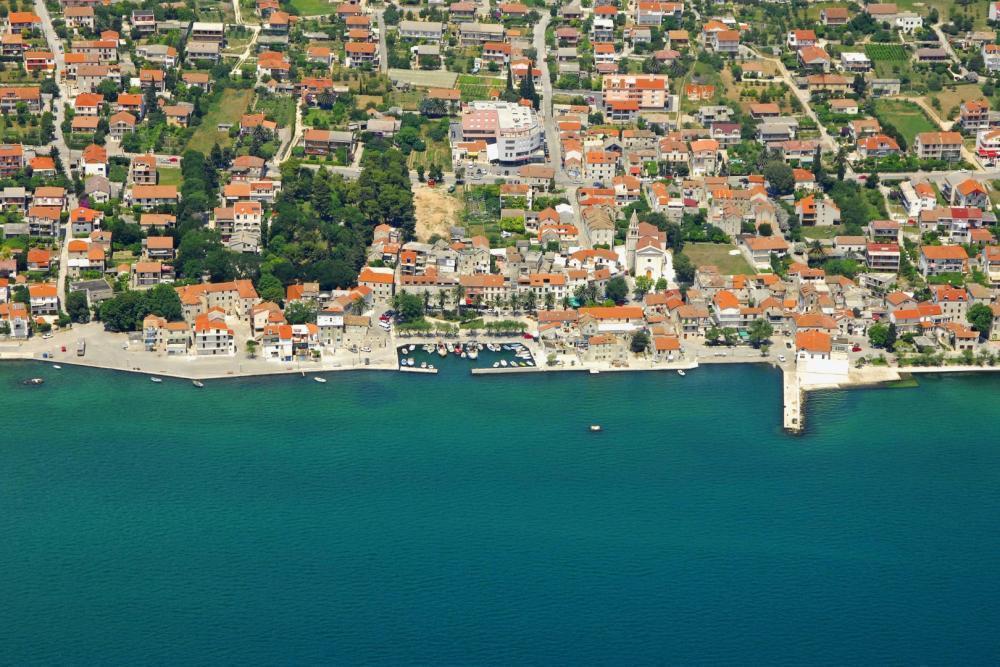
442, 351
595, 428
530, 363
681, 372
503, 362
473, 353
320, 380
423, 364
34, 381
430, 367
594, 371
496, 364
198, 383
57, 367
465, 355
411, 362
412, 348
155, 379
403, 350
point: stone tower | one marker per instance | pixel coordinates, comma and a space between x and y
631, 240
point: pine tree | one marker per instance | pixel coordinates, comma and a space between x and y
528, 88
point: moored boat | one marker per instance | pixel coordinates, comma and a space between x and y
198, 383
155, 379
320, 380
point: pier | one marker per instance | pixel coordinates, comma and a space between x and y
415, 369
792, 390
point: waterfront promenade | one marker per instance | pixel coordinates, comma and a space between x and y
114, 351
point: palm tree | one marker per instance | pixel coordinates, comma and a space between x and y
550, 301
459, 294
441, 299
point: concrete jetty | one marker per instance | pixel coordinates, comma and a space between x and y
793, 418
415, 369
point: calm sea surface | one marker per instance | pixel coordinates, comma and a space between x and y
390, 518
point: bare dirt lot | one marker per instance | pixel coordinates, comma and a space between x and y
436, 210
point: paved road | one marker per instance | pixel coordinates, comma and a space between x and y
551, 131
826, 141
55, 46
238, 15
383, 52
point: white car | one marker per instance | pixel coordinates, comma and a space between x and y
781, 357
47, 336
366, 349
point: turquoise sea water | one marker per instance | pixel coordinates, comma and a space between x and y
391, 518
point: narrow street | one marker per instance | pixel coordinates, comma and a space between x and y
55, 46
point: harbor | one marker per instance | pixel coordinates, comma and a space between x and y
511, 355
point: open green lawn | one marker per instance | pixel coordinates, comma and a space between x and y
821, 232
906, 116
169, 175
228, 108
312, 7
718, 255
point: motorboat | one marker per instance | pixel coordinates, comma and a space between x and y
412, 348
595, 428
34, 381
680, 371
594, 371
57, 367
404, 350
155, 379
320, 380
423, 364
410, 362
473, 353
503, 362
198, 383
496, 364
442, 351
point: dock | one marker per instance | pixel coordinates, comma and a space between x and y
415, 369
793, 418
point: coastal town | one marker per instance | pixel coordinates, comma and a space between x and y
209, 189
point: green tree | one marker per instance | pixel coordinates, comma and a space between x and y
21, 295
251, 348
683, 268
980, 316
300, 312
760, 330
642, 285
409, 307
878, 335
640, 342
616, 289
270, 288
77, 307
730, 336
164, 301
780, 177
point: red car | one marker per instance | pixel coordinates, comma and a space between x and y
856, 348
